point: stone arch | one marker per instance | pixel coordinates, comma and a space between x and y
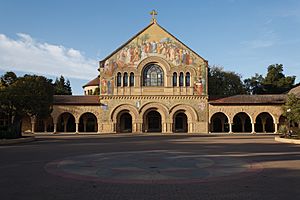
242, 122
228, 116
88, 122
219, 122
264, 122
165, 66
158, 107
161, 108
190, 111
66, 122
155, 59
131, 110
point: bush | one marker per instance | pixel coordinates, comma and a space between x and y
283, 130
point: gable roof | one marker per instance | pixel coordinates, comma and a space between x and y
101, 63
295, 91
94, 82
251, 99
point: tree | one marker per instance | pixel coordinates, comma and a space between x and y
224, 83
253, 85
291, 109
275, 81
7, 79
29, 95
62, 87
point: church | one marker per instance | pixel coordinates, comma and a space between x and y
155, 83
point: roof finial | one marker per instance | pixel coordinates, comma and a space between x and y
153, 13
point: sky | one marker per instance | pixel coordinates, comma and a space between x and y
70, 37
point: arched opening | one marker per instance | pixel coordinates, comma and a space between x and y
66, 123
131, 82
180, 122
119, 79
188, 79
219, 123
88, 123
264, 123
125, 80
39, 125
181, 79
152, 121
174, 79
153, 75
124, 122
241, 123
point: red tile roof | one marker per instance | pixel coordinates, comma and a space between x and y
251, 99
296, 91
94, 82
76, 100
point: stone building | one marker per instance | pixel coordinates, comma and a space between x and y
155, 83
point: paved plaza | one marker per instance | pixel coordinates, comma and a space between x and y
128, 166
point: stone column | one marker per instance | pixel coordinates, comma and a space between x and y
253, 127
77, 127
275, 127
55, 127
230, 127
32, 127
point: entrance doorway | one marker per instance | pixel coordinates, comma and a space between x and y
180, 123
153, 122
124, 124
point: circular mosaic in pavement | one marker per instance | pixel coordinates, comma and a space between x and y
151, 167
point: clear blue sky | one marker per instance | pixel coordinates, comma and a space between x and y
68, 37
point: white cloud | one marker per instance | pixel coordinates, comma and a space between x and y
28, 55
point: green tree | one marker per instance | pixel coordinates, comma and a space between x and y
275, 82
291, 109
29, 95
7, 79
253, 85
62, 86
224, 83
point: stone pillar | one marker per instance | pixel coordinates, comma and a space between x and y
55, 127
275, 127
32, 127
164, 127
253, 127
230, 127
77, 127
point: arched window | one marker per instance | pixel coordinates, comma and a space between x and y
174, 79
187, 79
119, 78
181, 79
153, 75
131, 83
125, 79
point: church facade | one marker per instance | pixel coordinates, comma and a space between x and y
155, 83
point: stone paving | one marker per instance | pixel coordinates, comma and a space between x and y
150, 167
